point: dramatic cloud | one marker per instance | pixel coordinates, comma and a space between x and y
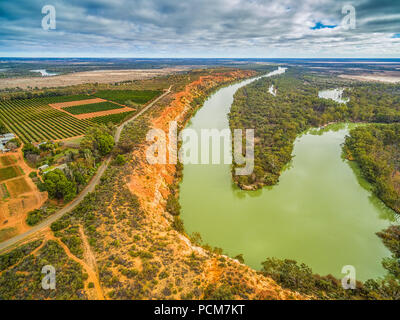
202, 28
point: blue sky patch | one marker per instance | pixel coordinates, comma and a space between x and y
320, 25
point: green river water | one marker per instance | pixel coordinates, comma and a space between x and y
321, 212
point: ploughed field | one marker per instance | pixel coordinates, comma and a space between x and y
61, 117
126, 96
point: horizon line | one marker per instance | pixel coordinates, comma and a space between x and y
205, 58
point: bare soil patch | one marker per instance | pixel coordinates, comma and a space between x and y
381, 77
18, 186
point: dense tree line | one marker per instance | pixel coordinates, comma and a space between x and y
376, 148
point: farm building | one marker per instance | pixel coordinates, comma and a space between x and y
4, 139
44, 167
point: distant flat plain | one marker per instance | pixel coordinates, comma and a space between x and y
99, 76
389, 77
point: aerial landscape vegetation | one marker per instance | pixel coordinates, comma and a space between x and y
166, 150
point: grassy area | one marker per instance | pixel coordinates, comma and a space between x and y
94, 107
10, 172
66, 150
18, 186
25, 285
7, 160
58, 99
114, 118
126, 96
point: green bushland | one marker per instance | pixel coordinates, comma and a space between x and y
376, 149
38, 215
119, 160
92, 108
59, 186
9, 259
72, 239
127, 96
173, 206
23, 280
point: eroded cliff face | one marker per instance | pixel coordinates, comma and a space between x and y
193, 272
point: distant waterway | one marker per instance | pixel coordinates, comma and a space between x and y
333, 94
44, 73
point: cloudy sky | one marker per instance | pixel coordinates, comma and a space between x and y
201, 28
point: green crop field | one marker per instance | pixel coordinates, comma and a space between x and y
90, 108
32, 120
113, 118
58, 99
10, 172
124, 96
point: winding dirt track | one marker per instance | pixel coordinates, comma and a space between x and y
89, 188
